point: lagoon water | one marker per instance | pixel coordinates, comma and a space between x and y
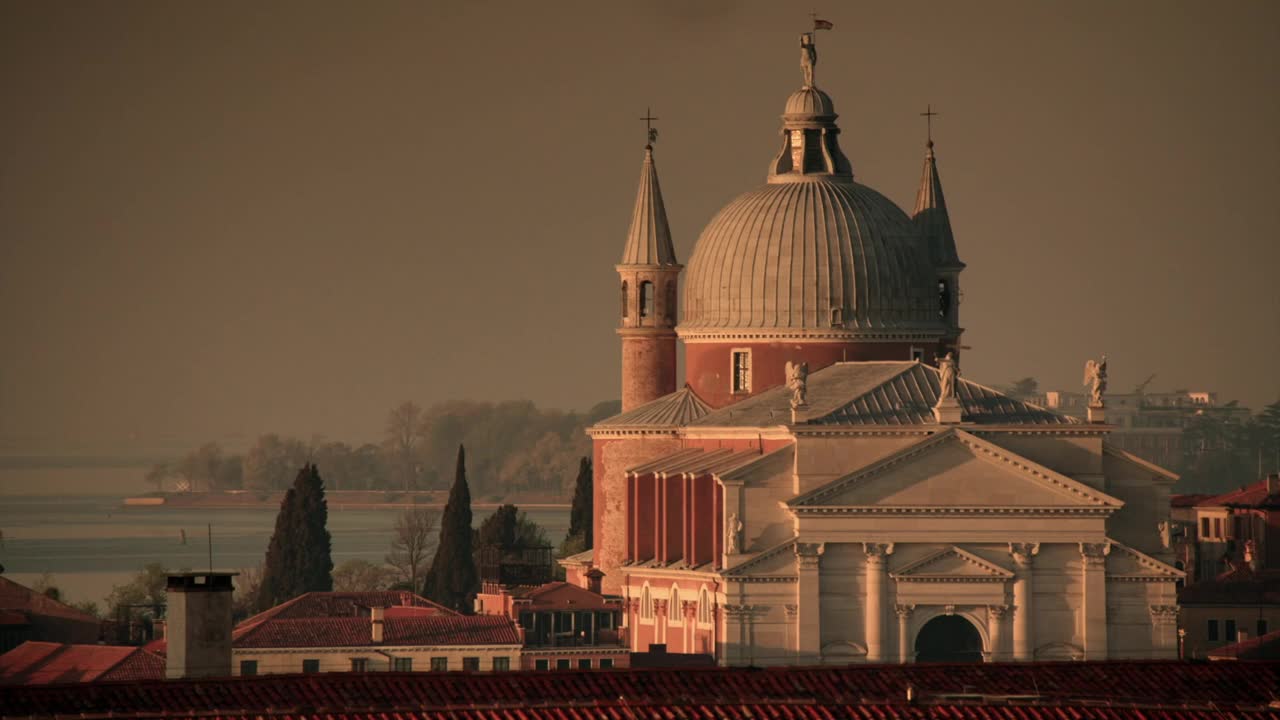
72, 524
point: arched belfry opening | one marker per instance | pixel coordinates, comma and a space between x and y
950, 639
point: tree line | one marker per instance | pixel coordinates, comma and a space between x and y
525, 449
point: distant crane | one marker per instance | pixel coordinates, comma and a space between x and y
1142, 386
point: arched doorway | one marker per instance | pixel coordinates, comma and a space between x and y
948, 638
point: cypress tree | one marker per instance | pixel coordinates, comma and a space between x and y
580, 516
299, 557
453, 579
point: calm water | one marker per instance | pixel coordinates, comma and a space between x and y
90, 542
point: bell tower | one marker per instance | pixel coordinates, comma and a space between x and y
649, 278
934, 224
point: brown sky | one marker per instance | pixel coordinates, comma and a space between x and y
219, 219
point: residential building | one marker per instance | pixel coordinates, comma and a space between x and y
46, 663
29, 615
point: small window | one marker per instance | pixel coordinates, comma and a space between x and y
402, 664
646, 299
1213, 631
501, 664
917, 354
944, 299
359, 664
543, 664
741, 371
1217, 527
606, 663
310, 666
704, 607
584, 664
1230, 635
562, 664
471, 663
1262, 627
646, 604
605, 620
1204, 527
439, 664
625, 311
250, 667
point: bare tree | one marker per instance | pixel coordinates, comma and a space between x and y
406, 431
412, 546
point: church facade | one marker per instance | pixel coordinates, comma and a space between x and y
823, 487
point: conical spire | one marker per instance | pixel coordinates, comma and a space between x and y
649, 240
931, 216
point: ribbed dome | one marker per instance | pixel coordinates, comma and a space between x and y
810, 101
819, 256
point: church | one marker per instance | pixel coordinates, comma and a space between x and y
823, 486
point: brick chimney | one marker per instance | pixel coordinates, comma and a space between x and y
595, 579
198, 627
1273, 484
377, 615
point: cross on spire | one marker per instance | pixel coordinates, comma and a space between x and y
651, 132
928, 116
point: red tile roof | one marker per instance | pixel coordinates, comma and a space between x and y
1239, 586
564, 596
20, 597
1187, 500
1254, 496
1263, 647
1032, 691
358, 631
344, 604
40, 663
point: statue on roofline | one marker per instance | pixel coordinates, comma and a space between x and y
1095, 378
808, 58
948, 371
797, 383
731, 534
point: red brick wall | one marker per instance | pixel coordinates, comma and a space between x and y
612, 457
707, 365
648, 368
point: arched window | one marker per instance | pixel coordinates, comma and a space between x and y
944, 298
704, 607
646, 604
646, 299
624, 298
673, 605
670, 310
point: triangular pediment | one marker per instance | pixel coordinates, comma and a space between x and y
955, 470
1126, 563
951, 565
778, 561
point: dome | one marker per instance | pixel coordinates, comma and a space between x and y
810, 101
812, 258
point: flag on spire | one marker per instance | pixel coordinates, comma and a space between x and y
822, 24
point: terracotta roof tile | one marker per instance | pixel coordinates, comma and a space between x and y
358, 631
39, 663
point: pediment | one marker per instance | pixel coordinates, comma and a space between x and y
955, 470
1126, 563
777, 562
953, 564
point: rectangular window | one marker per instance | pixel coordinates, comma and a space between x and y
1213, 631
606, 663
541, 665
402, 664
1262, 627
741, 371
359, 664
584, 664
606, 620
310, 666
250, 667
1217, 527
439, 664
1204, 527
1231, 631
562, 664
501, 664
471, 663
917, 354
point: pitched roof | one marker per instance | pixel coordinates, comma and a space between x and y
649, 239
1238, 586
880, 393
1262, 494
931, 218
1263, 647
40, 663
669, 411
343, 604
14, 596
434, 630
1117, 690
564, 595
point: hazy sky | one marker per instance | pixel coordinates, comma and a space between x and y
219, 219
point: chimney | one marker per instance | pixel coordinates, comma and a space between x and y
594, 580
376, 616
1273, 484
198, 626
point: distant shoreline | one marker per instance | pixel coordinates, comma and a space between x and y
337, 500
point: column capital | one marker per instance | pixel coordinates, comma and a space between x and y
1095, 554
998, 611
739, 613
808, 555
877, 551
1024, 553
792, 610
904, 611
1163, 614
